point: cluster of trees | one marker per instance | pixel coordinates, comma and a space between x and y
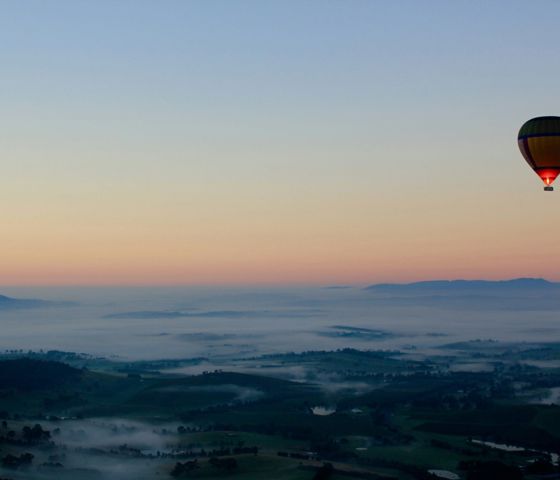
220, 452
495, 470
52, 465
419, 473
64, 399
11, 461
461, 450
297, 455
541, 467
324, 472
29, 435
490, 470
326, 449
200, 452
183, 469
228, 464
35, 434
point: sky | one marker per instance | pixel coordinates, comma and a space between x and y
289, 142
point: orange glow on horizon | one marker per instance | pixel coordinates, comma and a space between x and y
353, 240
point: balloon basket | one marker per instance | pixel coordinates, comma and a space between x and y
548, 188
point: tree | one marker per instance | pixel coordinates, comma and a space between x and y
490, 470
182, 469
324, 472
229, 463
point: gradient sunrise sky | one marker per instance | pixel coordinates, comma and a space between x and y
249, 142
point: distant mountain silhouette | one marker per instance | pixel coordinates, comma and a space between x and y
149, 314
8, 303
464, 285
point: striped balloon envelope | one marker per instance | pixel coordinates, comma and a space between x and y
539, 142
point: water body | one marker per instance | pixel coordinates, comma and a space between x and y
322, 410
554, 457
444, 474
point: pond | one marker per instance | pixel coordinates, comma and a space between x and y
554, 457
322, 411
444, 474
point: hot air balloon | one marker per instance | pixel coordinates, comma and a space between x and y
539, 142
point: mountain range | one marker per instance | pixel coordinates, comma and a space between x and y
464, 285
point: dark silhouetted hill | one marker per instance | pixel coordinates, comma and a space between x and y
28, 374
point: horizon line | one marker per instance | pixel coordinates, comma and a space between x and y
340, 285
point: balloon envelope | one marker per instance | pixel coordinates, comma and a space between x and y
539, 142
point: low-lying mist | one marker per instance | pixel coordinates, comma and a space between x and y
227, 323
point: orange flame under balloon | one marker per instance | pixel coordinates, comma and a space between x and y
548, 175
